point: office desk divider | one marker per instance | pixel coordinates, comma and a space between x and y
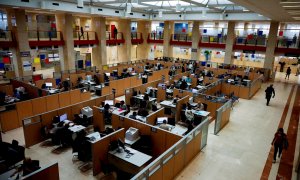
151, 118
161, 139
32, 91
32, 125
170, 163
100, 150
179, 104
7, 89
222, 116
50, 172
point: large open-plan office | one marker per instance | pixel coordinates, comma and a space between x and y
149, 90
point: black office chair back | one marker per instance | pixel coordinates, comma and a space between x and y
204, 107
118, 105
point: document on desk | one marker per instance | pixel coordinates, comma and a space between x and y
138, 158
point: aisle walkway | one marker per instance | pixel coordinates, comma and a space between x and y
241, 149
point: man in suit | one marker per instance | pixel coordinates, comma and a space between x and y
269, 91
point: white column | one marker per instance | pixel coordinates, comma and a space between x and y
229, 43
271, 44
195, 41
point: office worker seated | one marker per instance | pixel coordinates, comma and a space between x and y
183, 85
123, 105
189, 114
133, 116
176, 99
44, 86
164, 125
199, 107
188, 80
143, 112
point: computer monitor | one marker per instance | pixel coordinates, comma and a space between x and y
107, 74
88, 77
109, 102
160, 120
63, 117
195, 91
48, 84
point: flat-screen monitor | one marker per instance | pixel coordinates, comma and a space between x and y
88, 77
160, 120
63, 117
107, 74
195, 91
48, 84
109, 102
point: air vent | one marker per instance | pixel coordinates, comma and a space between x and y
79, 7
131, 13
55, 4
144, 15
100, 10
116, 11
25, 1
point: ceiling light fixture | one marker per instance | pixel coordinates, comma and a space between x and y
160, 13
128, 8
296, 6
178, 7
289, 2
80, 3
245, 10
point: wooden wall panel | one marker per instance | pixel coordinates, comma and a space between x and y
244, 92
32, 134
84, 96
157, 175
179, 162
75, 96
168, 169
39, 83
52, 102
24, 109
39, 105
189, 152
49, 173
64, 99
47, 119
158, 139
98, 120
9, 120
161, 94
106, 90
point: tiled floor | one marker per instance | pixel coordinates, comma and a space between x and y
239, 151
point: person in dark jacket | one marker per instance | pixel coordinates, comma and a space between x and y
288, 72
269, 91
279, 142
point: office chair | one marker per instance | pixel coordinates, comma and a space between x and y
118, 105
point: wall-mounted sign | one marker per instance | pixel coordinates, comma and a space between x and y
194, 50
249, 51
25, 54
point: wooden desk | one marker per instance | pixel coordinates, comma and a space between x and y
132, 164
168, 104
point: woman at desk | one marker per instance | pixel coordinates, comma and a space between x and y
123, 105
199, 107
189, 114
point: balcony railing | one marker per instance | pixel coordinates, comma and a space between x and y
156, 36
213, 39
136, 35
181, 37
284, 42
251, 40
44, 36
86, 35
112, 36
7, 36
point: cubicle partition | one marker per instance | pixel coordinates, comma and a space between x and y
151, 118
161, 140
32, 125
169, 164
7, 89
32, 91
50, 172
255, 86
222, 116
100, 150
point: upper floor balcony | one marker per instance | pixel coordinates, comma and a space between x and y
181, 39
136, 38
45, 38
7, 39
251, 42
85, 38
288, 41
213, 41
155, 37
114, 39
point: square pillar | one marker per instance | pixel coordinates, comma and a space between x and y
195, 52
99, 52
271, 44
65, 26
23, 43
168, 31
124, 26
143, 49
228, 59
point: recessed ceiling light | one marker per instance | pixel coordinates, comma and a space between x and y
260, 15
245, 10
289, 2
296, 6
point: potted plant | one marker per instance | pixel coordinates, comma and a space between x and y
206, 54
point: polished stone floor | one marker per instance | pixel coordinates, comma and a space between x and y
240, 151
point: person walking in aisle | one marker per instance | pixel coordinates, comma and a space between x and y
288, 72
279, 142
269, 91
